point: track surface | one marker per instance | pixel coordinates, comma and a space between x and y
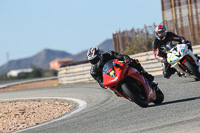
107, 113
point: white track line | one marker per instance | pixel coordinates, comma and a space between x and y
82, 105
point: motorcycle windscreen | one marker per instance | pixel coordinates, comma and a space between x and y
109, 68
182, 49
109, 74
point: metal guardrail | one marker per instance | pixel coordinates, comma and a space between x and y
81, 73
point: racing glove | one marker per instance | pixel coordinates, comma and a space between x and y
183, 40
127, 59
189, 44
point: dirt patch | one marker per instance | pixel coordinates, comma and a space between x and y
38, 84
22, 114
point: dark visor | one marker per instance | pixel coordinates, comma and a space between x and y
95, 60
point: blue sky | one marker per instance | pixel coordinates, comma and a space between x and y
29, 26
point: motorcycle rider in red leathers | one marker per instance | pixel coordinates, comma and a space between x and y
98, 60
162, 38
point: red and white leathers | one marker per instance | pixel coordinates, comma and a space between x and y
160, 55
157, 44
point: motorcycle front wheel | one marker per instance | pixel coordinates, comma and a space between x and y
137, 97
193, 69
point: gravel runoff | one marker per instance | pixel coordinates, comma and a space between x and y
19, 114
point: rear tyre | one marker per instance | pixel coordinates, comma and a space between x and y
193, 69
133, 95
159, 97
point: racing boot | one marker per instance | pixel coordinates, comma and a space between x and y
179, 74
148, 76
154, 86
136, 64
198, 57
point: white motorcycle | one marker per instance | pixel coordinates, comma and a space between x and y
183, 60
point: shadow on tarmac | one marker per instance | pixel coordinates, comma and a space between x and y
176, 101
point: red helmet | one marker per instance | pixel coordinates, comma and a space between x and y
161, 31
94, 56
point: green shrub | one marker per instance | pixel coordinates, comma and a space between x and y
137, 45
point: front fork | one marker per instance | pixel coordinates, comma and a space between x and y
194, 58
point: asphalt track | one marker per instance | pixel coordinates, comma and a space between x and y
107, 113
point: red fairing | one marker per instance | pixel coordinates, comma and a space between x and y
136, 75
123, 71
112, 81
109, 81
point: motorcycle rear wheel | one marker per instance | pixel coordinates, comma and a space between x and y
193, 69
131, 93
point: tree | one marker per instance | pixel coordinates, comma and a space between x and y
36, 73
138, 44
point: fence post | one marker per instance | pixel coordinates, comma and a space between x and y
114, 42
120, 42
181, 18
197, 20
174, 16
190, 31
190, 18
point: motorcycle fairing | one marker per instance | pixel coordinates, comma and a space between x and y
123, 69
176, 53
121, 72
178, 63
172, 58
150, 94
109, 80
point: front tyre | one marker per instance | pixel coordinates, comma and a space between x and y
193, 69
131, 93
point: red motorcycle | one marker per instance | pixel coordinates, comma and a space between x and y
128, 83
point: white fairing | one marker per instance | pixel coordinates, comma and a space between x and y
176, 54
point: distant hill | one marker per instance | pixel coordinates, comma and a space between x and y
43, 58
105, 46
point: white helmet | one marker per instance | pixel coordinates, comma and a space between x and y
161, 31
94, 56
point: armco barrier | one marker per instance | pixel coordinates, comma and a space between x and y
81, 73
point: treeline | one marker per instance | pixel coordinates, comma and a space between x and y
134, 41
138, 44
